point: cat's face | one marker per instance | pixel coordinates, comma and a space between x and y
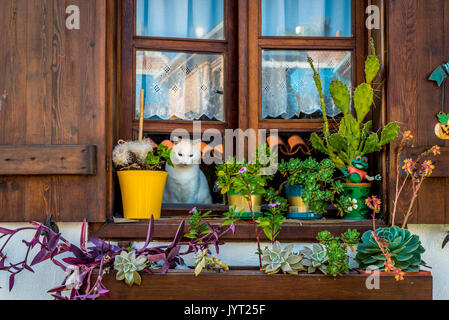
186, 152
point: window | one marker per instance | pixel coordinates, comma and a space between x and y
182, 53
235, 64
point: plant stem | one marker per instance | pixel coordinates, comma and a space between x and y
412, 202
250, 204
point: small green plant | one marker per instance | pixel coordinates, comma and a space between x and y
128, 267
404, 249
272, 222
140, 155
278, 259
353, 137
294, 170
338, 261
315, 258
196, 225
204, 262
228, 173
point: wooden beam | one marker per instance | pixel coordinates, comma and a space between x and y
255, 285
48, 160
292, 230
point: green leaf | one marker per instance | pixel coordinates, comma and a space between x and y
372, 67
389, 133
363, 99
340, 95
338, 142
317, 143
443, 118
349, 128
371, 144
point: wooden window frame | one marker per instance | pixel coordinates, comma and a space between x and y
130, 43
256, 43
245, 48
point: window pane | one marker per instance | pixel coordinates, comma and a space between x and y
200, 19
288, 88
180, 86
306, 18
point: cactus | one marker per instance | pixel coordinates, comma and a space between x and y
278, 259
128, 267
405, 249
353, 137
314, 259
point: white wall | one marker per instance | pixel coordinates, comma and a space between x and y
31, 286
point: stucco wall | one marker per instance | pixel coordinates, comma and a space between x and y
47, 276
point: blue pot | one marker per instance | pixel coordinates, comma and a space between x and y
298, 209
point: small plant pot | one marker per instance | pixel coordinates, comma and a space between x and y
240, 203
142, 192
360, 192
298, 210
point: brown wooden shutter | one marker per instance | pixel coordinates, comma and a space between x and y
418, 38
52, 111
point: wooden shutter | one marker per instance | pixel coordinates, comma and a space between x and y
52, 111
418, 37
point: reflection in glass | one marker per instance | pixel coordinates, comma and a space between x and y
180, 86
288, 88
200, 19
306, 18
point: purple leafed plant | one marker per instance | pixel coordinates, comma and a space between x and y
86, 267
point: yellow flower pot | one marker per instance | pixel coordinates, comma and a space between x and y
142, 192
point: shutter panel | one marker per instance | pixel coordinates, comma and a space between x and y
52, 111
418, 36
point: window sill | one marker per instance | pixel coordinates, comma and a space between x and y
165, 229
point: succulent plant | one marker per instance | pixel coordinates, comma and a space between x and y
278, 259
405, 249
128, 267
314, 259
208, 263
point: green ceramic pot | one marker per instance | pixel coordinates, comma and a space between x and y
360, 192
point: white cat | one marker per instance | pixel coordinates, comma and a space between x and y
186, 183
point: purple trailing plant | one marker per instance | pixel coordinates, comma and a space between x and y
86, 267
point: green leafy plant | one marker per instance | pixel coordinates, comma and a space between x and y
228, 173
404, 248
354, 136
140, 155
278, 259
128, 267
196, 225
204, 262
320, 188
314, 259
272, 222
338, 261
295, 171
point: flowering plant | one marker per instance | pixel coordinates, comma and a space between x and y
417, 170
87, 266
274, 218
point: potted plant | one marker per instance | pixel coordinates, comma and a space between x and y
229, 183
141, 174
310, 187
354, 140
393, 248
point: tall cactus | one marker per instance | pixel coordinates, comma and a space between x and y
353, 137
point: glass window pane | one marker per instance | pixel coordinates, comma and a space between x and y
180, 86
288, 88
199, 19
306, 18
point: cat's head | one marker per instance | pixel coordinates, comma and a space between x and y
186, 152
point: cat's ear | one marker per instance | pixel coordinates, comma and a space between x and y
176, 140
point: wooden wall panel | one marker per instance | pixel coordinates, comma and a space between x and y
53, 80
418, 40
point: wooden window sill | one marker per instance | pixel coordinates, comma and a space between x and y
248, 284
165, 229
